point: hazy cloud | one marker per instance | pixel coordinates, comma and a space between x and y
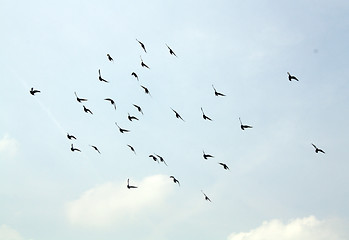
108, 203
301, 228
8, 146
8, 233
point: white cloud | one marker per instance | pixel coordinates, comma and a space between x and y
8, 146
108, 203
8, 233
308, 228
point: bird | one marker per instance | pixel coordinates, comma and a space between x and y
206, 156
80, 99
131, 117
243, 126
290, 77
143, 64
138, 108
317, 150
204, 116
32, 91
128, 184
224, 166
132, 149
100, 76
154, 158
110, 58
177, 115
217, 93
70, 137
135, 75
175, 180
142, 45
161, 159
87, 110
146, 90
74, 149
111, 101
121, 129
171, 51
95, 148
206, 198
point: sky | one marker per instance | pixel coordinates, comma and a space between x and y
277, 186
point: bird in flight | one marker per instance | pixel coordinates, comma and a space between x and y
128, 184
74, 149
217, 93
290, 77
138, 108
87, 110
111, 101
171, 51
33, 91
317, 150
243, 126
131, 117
206, 198
154, 158
143, 64
95, 148
110, 58
100, 76
175, 180
206, 156
80, 99
142, 45
121, 129
132, 149
161, 159
70, 137
177, 115
135, 75
204, 116
224, 166
146, 90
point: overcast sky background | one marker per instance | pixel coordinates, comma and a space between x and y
277, 186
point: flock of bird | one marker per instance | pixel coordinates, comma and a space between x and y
131, 118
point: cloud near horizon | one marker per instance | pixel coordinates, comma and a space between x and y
108, 203
308, 228
8, 233
8, 146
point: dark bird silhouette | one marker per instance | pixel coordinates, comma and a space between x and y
217, 93
87, 110
142, 45
111, 101
95, 148
204, 116
177, 115
154, 158
244, 126
100, 76
206, 198
131, 117
121, 129
135, 75
70, 137
138, 108
80, 99
143, 64
290, 77
74, 149
110, 58
146, 90
32, 91
171, 51
161, 159
224, 166
132, 149
175, 180
317, 150
206, 156
128, 184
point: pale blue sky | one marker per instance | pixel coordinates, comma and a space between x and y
245, 48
